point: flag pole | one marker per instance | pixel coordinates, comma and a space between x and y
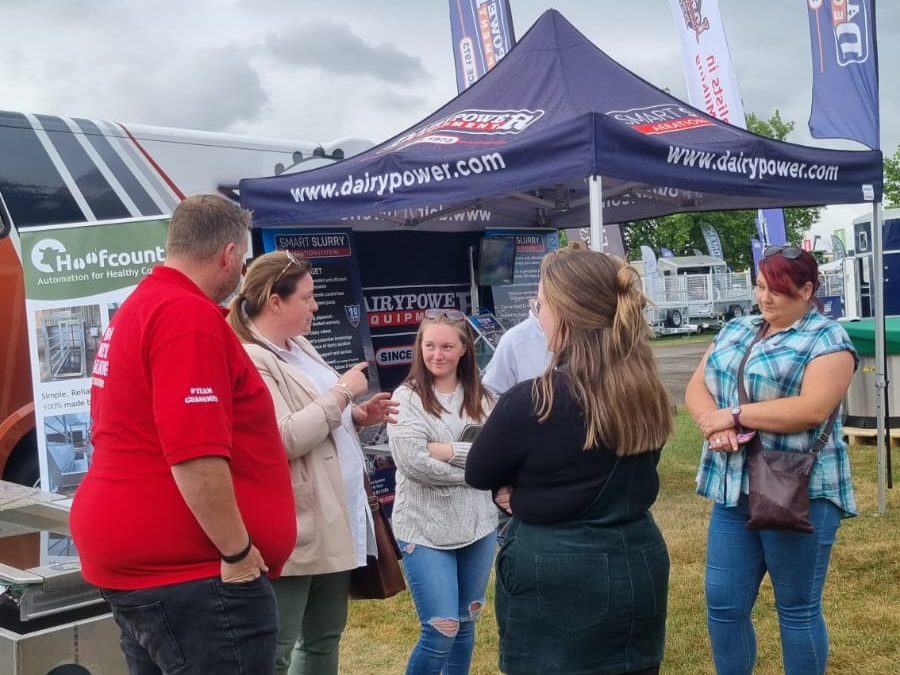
880, 383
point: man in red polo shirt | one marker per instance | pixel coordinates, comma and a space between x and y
187, 505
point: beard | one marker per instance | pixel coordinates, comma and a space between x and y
228, 289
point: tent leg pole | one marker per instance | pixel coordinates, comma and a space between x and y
475, 301
880, 384
595, 192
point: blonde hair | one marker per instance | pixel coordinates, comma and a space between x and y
421, 381
601, 343
273, 273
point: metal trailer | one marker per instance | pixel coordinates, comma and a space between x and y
834, 279
712, 293
51, 621
831, 283
667, 313
698, 290
669, 320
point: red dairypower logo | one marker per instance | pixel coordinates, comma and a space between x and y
693, 19
660, 119
470, 122
850, 27
407, 308
492, 39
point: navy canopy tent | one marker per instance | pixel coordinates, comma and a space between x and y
524, 141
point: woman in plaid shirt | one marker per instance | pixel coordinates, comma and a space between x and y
796, 374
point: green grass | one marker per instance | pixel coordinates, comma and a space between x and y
862, 594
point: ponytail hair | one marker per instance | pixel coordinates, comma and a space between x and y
275, 273
629, 325
601, 344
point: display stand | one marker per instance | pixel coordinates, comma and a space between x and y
488, 330
51, 619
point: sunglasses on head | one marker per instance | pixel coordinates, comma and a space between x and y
789, 252
437, 313
292, 260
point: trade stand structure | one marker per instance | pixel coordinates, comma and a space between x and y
558, 134
530, 138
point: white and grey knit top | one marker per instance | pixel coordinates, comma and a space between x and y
433, 505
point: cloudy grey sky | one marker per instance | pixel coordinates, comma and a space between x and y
319, 71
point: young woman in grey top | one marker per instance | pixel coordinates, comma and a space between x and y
445, 528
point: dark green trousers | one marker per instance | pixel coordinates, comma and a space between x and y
312, 614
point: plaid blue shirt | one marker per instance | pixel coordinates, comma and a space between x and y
774, 370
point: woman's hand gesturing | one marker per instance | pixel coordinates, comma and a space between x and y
380, 408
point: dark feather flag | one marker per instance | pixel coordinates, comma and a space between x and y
845, 71
482, 34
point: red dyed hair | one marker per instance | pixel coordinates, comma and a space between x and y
786, 277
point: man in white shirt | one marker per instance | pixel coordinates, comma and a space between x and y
521, 355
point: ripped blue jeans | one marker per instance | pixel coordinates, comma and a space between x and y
447, 587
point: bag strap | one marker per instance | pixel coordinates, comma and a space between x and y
742, 392
370, 493
826, 432
378, 515
744, 399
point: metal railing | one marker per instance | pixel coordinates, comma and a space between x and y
831, 284
725, 288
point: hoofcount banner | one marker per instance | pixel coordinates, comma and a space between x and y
76, 277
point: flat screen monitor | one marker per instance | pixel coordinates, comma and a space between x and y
496, 261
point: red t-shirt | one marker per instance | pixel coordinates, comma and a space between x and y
171, 382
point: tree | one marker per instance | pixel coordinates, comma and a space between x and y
796, 221
892, 179
681, 232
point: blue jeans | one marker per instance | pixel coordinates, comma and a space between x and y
736, 561
198, 627
447, 587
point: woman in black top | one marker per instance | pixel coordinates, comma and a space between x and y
582, 577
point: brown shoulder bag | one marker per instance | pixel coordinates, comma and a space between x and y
381, 577
779, 480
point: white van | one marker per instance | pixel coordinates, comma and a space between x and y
67, 170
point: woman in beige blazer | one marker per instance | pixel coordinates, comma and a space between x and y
315, 411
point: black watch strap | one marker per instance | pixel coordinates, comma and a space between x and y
237, 557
